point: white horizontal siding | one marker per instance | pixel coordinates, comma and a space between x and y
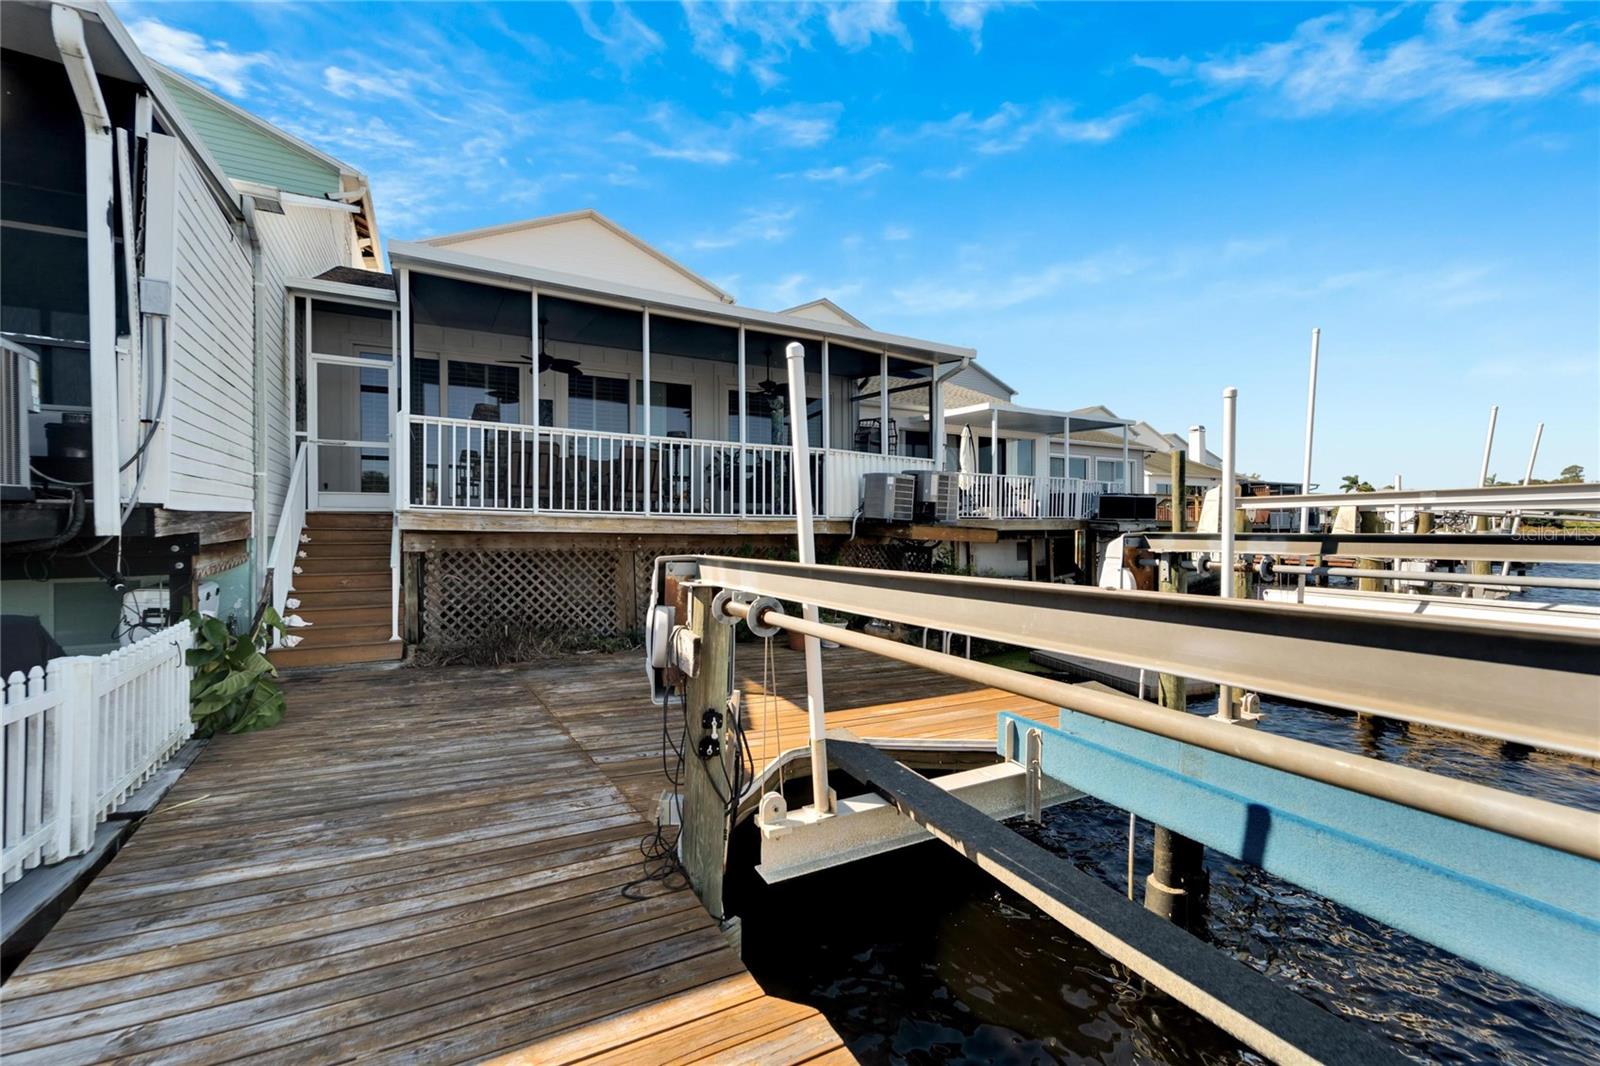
300, 243
211, 353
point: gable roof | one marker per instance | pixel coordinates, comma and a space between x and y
488, 233
825, 310
202, 106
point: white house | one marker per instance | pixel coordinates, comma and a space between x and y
145, 434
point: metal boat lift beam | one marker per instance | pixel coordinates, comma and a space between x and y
1557, 495
1531, 687
1516, 907
1267, 1017
1465, 547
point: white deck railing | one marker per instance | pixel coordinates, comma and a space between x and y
1002, 496
81, 733
291, 529
459, 464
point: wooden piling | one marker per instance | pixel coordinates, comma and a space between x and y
703, 841
1371, 522
1480, 524
1177, 886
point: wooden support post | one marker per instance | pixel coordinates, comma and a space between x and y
1480, 524
411, 596
1424, 521
1371, 522
1243, 578
1177, 886
703, 840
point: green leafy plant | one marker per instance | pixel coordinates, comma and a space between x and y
234, 688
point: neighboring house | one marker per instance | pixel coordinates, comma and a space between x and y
504, 432
148, 229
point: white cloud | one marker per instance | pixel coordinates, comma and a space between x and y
625, 38
211, 62
758, 38
1354, 59
968, 16
844, 175
1012, 127
857, 24
768, 225
350, 84
750, 37
894, 232
682, 137
799, 125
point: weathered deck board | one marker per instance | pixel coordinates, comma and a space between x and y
428, 866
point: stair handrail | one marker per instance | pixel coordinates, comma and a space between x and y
286, 541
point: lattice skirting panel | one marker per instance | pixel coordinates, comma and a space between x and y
471, 595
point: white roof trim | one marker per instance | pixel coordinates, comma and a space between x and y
423, 256
1020, 417
575, 216
990, 374
169, 111
830, 305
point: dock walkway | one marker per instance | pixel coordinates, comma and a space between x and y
429, 866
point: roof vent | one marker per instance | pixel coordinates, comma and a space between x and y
268, 204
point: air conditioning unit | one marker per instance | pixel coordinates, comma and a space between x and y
19, 396
888, 497
937, 495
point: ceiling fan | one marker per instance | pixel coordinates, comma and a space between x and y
546, 360
770, 387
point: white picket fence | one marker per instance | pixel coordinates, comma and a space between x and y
81, 733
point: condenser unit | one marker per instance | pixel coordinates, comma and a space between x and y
887, 497
936, 496
19, 395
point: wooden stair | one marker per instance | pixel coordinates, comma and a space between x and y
343, 589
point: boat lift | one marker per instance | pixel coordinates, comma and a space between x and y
1504, 880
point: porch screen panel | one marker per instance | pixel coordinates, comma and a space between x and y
597, 403
484, 392
671, 408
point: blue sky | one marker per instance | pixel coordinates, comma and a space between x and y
1133, 205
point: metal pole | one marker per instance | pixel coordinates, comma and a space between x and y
1311, 424
1534, 820
1127, 475
1445, 577
644, 341
1527, 479
1488, 446
994, 441
816, 725
1230, 400
1226, 517
883, 403
744, 475
533, 480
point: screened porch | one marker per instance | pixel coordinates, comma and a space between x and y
519, 400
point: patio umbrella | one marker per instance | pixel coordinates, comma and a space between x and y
968, 461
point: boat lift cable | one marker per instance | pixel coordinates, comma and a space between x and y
1537, 821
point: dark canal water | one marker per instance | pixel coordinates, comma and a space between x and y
916, 958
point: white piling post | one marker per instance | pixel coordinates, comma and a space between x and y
1488, 446
1230, 402
1527, 479
800, 445
1311, 422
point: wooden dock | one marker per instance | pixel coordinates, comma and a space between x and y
429, 866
